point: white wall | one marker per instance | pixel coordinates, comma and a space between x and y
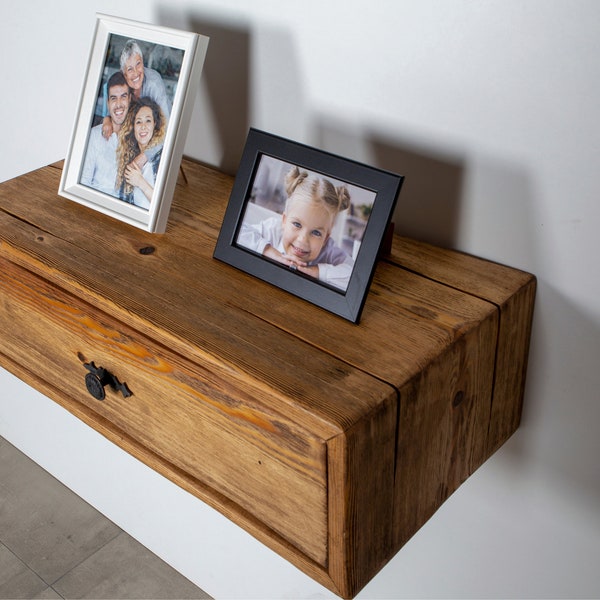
490, 109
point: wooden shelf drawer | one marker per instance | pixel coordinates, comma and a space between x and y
332, 443
233, 442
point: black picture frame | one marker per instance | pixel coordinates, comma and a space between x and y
258, 197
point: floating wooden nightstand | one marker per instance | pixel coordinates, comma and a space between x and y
332, 443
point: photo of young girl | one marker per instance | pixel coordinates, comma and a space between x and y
306, 222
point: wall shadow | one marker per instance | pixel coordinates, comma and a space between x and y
430, 203
430, 200
225, 83
561, 411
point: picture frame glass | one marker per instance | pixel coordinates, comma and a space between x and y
327, 231
112, 103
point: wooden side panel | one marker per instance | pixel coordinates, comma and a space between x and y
512, 291
442, 433
361, 498
516, 316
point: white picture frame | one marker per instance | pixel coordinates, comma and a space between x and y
178, 57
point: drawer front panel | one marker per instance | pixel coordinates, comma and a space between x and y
230, 439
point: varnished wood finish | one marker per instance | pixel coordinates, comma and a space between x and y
330, 442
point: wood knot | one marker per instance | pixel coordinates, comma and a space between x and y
458, 399
147, 250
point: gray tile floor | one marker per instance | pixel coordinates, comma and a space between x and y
55, 545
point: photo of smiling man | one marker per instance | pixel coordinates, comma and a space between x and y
100, 164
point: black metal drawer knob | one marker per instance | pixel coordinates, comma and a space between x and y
98, 377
